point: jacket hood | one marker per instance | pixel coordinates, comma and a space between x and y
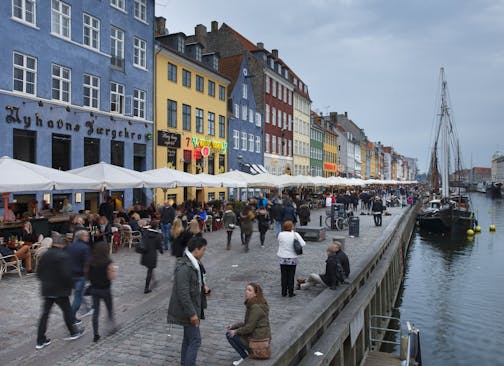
264, 306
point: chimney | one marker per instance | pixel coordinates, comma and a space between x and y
260, 45
275, 53
215, 26
159, 26
200, 31
346, 114
333, 116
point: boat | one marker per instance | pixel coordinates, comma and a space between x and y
449, 209
481, 187
494, 190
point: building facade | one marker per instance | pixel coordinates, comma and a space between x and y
301, 129
331, 152
191, 114
76, 89
316, 146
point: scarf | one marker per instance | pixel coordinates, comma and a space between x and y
195, 264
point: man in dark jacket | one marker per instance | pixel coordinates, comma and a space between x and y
107, 209
289, 213
54, 272
79, 253
377, 209
186, 300
277, 213
153, 243
167, 215
337, 270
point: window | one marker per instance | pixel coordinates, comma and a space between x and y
117, 47
290, 97
245, 91
25, 74
258, 144
237, 111
222, 92
236, 139
60, 18
251, 142
60, 89
24, 145
267, 114
258, 119
211, 124
284, 120
274, 87
186, 78
222, 126
273, 116
280, 91
200, 83
267, 142
211, 167
61, 151
244, 112
24, 10
198, 53
139, 103
141, 10
186, 117
172, 113
267, 84
279, 118
91, 31
116, 97
172, 72
91, 151
244, 140
273, 144
140, 53
117, 153
91, 91
251, 115
211, 88
199, 120
171, 158
119, 4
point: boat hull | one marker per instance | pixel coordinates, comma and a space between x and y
449, 220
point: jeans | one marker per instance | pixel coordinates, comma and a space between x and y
238, 345
377, 219
287, 273
166, 234
278, 227
229, 234
79, 284
64, 304
149, 277
262, 235
190, 345
312, 280
106, 295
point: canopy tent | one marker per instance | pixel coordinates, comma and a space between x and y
220, 181
265, 180
112, 176
170, 178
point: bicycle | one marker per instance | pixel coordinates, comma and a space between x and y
338, 223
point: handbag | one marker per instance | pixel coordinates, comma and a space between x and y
297, 246
259, 349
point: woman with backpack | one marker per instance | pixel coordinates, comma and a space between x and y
246, 218
263, 222
229, 222
152, 243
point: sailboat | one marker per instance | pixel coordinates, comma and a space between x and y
447, 211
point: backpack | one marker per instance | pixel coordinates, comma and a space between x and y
340, 273
141, 247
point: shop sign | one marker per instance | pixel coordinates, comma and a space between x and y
91, 129
168, 139
216, 146
341, 168
330, 166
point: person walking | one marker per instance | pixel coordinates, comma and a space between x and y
55, 274
246, 228
185, 306
179, 237
101, 274
277, 212
167, 215
288, 257
303, 212
263, 222
289, 213
255, 326
153, 243
377, 209
229, 222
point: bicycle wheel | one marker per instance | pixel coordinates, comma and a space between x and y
340, 223
328, 222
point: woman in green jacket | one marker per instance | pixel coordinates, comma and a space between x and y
256, 324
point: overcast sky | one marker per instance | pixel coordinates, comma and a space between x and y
379, 60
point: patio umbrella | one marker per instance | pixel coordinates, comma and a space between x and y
209, 180
111, 176
169, 178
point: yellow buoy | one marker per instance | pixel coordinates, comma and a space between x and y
477, 229
492, 227
470, 238
470, 232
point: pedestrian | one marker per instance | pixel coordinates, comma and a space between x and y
255, 326
303, 212
289, 213
277, 212
229, 222
153, 241
107, 209
263, 222
55, 274
101, 273
288, 257
186, 300
79, 252
167, 215
246, 217
179, 237
377, 209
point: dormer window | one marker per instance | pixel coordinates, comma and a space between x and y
198, 54
272, 63
215, 63
180, 44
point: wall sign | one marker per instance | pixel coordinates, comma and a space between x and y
216, 146
329, 166
168, 139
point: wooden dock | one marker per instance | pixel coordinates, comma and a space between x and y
382, 359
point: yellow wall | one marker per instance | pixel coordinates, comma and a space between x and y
167, 89
330, 154
363, 161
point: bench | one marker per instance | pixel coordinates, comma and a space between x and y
312, 233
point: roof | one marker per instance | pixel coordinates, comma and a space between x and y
230, 66
482, 170
249, 46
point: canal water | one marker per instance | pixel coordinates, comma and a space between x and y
453, 291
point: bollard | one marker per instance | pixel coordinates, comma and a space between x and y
320, 221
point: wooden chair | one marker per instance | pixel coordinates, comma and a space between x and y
9, 263
130, 237
208, 224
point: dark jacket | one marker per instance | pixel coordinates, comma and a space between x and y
167, 215
377, 206
342, 257
153, 243
54, 271
263, 221
289, 214
304, 213
185, 300
79, 253
337, 269
229, 218
179, 243
246, 222
277, 212
256, 324
106, 209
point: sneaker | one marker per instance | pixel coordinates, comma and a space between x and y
77, 322
46, 342
236, 363
96, 338
89, 312
75, 336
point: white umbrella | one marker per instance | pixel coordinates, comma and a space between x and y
111, 176
220, 181
237, 176
169, 178
265, 180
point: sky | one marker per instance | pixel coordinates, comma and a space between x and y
380, 60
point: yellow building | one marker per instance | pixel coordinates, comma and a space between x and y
373, 172
364, 160
330, 164
191, 113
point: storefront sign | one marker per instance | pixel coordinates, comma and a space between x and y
216, 146
330, 166
168, 139
91, 129
341, 168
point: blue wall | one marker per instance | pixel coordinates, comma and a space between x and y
243, 125
49, 49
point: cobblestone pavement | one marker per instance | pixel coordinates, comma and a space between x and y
144, 338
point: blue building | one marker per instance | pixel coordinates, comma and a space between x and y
76, 88
245, 128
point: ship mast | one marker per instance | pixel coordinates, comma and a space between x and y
444, 148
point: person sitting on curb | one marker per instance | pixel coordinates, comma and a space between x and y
337, 270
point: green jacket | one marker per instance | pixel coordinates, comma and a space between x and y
256, 324
185, 300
